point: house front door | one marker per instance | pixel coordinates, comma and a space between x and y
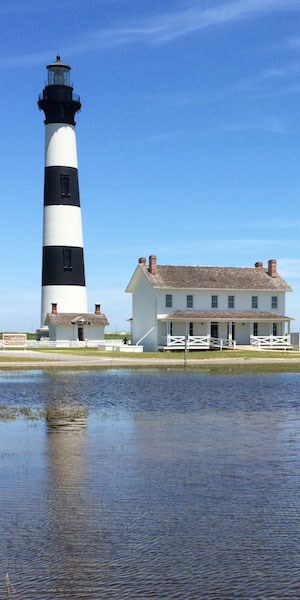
80, 333
214, 330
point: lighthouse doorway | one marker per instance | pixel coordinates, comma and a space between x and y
80, 333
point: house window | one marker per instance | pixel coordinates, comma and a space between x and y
230, 301
275, 329
65, 185
254, 302
189, 301
169, 300
191, 328
255, 328
67, 258
274, 302
214, 301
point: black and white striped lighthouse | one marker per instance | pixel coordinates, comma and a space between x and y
63, 279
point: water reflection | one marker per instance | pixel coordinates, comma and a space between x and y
151, 485
66, 418
66, 514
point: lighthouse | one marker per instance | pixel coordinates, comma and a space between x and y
63, 278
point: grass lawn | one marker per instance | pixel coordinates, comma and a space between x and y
204, 354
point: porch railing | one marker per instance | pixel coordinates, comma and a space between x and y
270, 341
196, 341
222, 343
178, 341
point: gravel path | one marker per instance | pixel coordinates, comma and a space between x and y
33, 359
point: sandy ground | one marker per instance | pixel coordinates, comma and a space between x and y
47, 359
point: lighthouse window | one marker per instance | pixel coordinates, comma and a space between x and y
67, 255
65, 185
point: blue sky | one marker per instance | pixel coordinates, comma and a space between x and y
188, 140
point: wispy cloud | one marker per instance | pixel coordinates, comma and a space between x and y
165, 27
270, 125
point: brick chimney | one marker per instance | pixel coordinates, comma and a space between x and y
142, 261
97, 309
152, 264
258, 264
272, 267
54, 308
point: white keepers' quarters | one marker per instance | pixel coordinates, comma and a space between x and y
204, 307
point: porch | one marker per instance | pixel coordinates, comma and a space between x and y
205, 330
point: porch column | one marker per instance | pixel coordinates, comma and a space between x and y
187, 332
168, 332
230, 330
208, 327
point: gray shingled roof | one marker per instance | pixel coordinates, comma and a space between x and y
229, 278
72, 318
215, 315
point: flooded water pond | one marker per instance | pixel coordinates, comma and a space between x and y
133, 484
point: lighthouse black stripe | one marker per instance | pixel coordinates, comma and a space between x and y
61, 186
63, 265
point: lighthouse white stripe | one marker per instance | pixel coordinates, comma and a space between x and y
62, 226
69, 298
60, 145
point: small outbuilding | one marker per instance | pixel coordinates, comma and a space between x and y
76, 327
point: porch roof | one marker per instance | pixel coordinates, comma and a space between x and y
218, 315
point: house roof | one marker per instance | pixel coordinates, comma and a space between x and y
73, 318
229, 278
220, 315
